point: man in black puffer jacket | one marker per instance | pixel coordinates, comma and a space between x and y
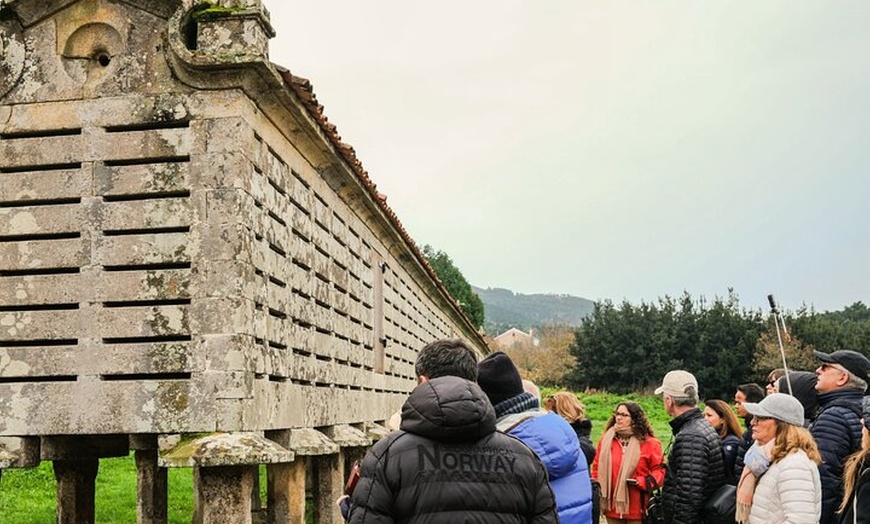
696, 468
447, 463
842, 380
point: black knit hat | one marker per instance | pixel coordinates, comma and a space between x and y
499, 378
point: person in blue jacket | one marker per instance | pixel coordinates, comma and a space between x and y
519, 413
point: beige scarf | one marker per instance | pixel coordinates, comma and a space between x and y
615, 496
746, 488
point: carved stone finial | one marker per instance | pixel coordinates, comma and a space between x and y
237, 32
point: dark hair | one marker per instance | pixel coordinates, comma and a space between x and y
753, 392
775, 375
448, 357
730, 425
640, 426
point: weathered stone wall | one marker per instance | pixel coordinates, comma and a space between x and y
183, 247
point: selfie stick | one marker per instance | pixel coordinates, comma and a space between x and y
777, 319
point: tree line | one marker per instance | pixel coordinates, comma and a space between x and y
628, 347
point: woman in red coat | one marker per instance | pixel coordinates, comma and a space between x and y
628, 454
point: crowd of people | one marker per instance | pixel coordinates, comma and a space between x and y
476, 443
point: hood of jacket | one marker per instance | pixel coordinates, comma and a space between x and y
448, 409
803, 388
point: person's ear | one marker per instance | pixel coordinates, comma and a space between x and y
421, 379
843, 379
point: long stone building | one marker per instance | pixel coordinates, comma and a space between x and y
193, 266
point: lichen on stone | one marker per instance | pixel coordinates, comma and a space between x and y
206, 11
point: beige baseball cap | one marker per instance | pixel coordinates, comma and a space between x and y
676, 383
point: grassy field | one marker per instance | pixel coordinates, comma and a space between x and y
27, 496
600, 406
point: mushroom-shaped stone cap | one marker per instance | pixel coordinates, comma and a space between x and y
225, 449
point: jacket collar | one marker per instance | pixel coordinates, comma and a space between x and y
848, 394
525, 401
679, 421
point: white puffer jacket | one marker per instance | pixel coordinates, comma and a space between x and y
789, 492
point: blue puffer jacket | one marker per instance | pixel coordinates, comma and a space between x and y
837, 431
556, 444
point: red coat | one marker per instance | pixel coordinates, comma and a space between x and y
649, 463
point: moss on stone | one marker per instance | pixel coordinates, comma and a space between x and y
206, 11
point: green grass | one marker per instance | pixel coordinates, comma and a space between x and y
600, 406
27, 496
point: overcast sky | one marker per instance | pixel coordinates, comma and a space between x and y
610, 150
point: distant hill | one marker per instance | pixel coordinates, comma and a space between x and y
505, 309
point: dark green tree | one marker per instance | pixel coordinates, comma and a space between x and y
456, 285
630, 348
832, 330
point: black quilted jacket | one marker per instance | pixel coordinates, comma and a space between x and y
695, 468
837, 431
448, 464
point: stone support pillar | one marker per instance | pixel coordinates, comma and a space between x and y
286, 491
76, 479
287, 484
256, 504
223, 494
153, 487
152, 483
225, 465
76, 460
329, 471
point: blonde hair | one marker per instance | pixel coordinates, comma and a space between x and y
852, 469
790, 438
569, 406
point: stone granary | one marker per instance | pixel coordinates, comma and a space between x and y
193, 266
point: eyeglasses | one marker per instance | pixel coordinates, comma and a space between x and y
619, 414
759, 418
826, 366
